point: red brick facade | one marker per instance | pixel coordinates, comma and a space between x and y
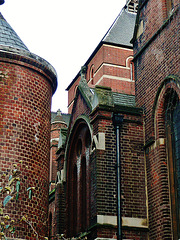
111, 67
100, 206
89, 162
148, 140
26, 87
156, 61
55, 189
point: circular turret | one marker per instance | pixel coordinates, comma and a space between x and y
27, 83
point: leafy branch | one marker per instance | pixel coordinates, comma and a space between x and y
10, 190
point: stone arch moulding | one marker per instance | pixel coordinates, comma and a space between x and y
129, 60
130, 65
82, 119
170, 82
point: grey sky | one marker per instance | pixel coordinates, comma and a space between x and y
65, 33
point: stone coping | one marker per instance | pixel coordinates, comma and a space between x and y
30, 59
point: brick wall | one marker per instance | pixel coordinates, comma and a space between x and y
111, 68
156, 67
55, 131
103, 173
24, 135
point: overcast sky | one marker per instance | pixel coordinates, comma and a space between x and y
63, 32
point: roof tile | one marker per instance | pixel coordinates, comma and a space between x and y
8, 37
121, 31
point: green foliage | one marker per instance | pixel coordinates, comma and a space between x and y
10, 190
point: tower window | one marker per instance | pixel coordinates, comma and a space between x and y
172, 116
83, 196
131, 69
92, 74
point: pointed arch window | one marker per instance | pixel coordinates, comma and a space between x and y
92, 74
83, 195
78, 184
75, 200
172, 123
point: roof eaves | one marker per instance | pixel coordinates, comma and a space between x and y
118, 45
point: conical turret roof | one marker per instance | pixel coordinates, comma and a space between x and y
8, 37
12, 47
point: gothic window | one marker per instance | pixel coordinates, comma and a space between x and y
131, 70
172, 120
92, 74
83, 195
79, 147
74, 200
78, 190
87, 140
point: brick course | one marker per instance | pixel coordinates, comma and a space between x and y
102, 171
113, 61
24, 135
156, 64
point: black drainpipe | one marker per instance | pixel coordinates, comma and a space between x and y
117, 122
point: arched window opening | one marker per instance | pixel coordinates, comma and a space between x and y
74, 201
78, 190
83, 196
172, 123
131, 71
79, 147
91, 77
87, 140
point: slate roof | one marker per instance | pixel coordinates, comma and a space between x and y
121, 31
12, 46
8, 37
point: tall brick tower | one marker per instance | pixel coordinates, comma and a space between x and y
27, 83
157, 77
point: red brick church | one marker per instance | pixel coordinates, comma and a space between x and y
110, 168
126, 94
